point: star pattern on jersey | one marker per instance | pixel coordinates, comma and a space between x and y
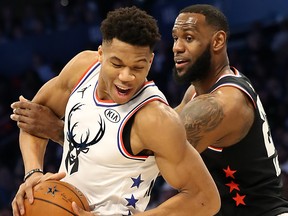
131, 201
136, 181
239, 199
229, 172
233, 186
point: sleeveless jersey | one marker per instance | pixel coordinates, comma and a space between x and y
94, 156
247, 174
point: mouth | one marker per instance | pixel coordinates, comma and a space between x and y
122, 91
180, 63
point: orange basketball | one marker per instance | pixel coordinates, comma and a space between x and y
55, 198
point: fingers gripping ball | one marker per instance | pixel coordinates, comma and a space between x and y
55, 198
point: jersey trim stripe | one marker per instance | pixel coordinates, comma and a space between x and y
239, 87
110, 103
121, 146
215, 149
86, 74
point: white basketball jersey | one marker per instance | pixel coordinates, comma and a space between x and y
94, 157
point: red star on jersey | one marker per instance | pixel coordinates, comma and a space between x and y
239, 199
229, 172
233, 186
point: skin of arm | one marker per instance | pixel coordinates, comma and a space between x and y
158, 128
54, 94
174, 156
34, 119
26, 112
220, 119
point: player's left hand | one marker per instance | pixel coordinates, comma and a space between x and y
79, 211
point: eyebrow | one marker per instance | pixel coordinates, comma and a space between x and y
185, 28
117, 59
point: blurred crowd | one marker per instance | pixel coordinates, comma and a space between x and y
260, 52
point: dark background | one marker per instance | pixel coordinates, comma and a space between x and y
38, 37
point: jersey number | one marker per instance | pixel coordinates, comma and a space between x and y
270, 148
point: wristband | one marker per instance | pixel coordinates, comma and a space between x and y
31, 172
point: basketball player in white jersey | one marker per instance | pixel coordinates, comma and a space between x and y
119, 131
223, 115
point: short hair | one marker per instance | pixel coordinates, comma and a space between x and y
213, 16
130, 25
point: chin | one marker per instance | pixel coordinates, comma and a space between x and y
179, 76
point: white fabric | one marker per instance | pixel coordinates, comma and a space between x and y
115, 182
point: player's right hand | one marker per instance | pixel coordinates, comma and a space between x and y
26, 189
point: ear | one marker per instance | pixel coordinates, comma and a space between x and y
100, 53
152, 58
219, 40
150, 61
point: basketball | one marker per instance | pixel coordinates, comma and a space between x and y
55, 198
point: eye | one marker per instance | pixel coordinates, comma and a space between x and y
138, 68
175, 38
189, 38
116, 65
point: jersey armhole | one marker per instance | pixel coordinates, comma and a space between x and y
126, 138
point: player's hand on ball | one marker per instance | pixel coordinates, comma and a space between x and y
26, 189
52, 176
80, 212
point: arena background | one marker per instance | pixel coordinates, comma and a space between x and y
38, 37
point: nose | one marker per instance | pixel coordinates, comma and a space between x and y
178, 46
125, 75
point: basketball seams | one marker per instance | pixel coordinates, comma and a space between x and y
69, 187
44, 200
57, 194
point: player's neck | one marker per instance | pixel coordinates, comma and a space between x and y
203, 86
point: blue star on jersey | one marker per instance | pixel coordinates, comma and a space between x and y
136, 181
132, 201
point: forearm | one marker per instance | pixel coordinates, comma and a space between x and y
184, 204
32, 150
57, 135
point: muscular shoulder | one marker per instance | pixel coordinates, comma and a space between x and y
220, 119
157, 113
76, 67
187, 97
156, 124
84, 59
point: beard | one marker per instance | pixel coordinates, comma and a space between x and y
197, 71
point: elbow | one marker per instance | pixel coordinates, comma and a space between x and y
209, 202
216, 203
212, 201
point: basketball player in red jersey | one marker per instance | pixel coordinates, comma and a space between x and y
119, 130
223, 115
224, 118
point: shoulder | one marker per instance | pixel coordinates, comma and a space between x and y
83, 60
157, 113
187, 97
227, 99
156, 123
221, 118
76, 67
